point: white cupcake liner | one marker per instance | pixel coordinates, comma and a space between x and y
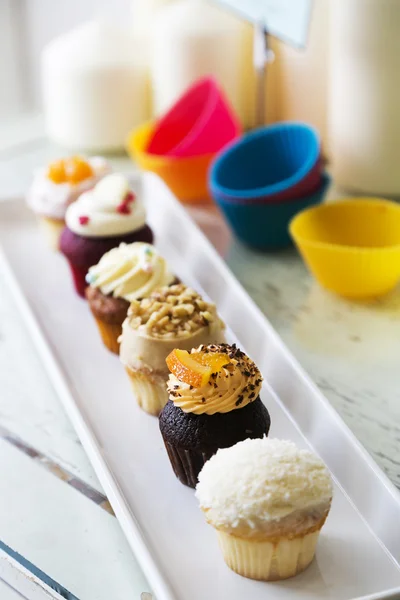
151, 395
268, 560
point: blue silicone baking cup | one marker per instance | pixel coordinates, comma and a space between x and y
265, 226
266, 162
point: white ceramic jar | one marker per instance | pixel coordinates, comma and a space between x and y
194, 38
144, 13
94, 88
365, 95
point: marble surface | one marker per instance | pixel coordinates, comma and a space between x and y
349, 349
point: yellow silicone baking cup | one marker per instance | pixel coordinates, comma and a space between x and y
352, 247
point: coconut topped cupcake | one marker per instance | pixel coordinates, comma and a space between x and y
213, 379
268, 500
130, 271
264, 485
174, 312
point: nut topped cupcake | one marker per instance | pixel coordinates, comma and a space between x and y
171, 317
268, 501
126, 273
111, 213
213, 403
57, 186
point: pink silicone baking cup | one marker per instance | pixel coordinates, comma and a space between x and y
201, 122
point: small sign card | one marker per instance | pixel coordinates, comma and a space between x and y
287, 20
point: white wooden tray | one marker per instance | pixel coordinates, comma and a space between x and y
359, 550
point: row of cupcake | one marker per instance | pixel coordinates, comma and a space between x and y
267, 499
85, 211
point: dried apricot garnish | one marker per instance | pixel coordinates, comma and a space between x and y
70, 170
56, 172
77, 170
195, 369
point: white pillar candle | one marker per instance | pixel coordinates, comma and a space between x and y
365, 95
194, 38
94, 88
144, 13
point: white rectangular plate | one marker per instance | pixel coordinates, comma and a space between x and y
359, 550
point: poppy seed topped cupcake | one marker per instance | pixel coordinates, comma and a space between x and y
170, 317
213, 403
111, 213
124, 274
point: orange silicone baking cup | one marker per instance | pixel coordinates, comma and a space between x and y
186, 177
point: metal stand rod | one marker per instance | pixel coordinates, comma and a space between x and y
262, 55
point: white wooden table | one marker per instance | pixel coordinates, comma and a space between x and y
57, 530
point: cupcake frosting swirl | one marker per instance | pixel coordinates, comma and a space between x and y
130, 271
51, 199
110, 209
237, 384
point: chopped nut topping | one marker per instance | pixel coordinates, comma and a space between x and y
172, 311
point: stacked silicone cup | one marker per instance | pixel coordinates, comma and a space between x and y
186, 177
272, 164
181, 145
201, 122
352, 247
265, 226
261, 181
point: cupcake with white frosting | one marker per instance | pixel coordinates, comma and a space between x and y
110, 213
268, 501
214, 402
57, 186
174, 316
124, 274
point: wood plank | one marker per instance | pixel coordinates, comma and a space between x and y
63, 533
29, 406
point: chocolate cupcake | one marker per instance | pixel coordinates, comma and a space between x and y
213, 403
102, 218
124, 274
170, 317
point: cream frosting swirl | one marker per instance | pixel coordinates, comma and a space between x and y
237, 384
50, 199
111, 208
130, 271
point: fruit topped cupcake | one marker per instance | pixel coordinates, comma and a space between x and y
111, 213
268, 501
57, 186
171, 317
214, 402
124, 274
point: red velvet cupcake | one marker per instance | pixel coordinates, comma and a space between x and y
101, 219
